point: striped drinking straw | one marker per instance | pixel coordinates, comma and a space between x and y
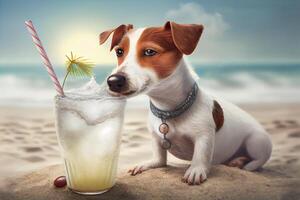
38, 44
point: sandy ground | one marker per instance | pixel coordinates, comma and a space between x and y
28, 142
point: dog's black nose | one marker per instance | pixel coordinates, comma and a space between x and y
116, 82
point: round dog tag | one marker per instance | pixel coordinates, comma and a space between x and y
166, 144
164, 128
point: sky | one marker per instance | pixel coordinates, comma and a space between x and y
235, 31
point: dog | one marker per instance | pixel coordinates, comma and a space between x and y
211, 131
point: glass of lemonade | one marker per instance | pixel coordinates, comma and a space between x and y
89, 124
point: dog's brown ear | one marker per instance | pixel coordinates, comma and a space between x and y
185, 36
119, 32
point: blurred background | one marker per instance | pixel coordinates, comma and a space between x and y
249, 53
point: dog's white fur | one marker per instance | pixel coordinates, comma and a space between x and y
192, 134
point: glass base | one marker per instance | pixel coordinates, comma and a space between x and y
89, 193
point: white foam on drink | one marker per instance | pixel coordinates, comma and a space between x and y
91, 102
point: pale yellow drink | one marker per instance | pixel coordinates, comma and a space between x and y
89, 127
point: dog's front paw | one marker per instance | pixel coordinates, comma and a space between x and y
140, 168
195, 175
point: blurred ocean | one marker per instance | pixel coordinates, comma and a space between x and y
239, 83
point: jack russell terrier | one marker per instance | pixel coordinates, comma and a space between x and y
184, 120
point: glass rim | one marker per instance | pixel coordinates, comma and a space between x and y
88, 98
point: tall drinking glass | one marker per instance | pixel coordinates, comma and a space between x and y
89, 133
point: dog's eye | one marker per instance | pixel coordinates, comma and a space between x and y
149, 52
119, 52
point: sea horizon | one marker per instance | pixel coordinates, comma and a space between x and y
29, 84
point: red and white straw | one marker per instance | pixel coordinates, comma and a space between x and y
38, 44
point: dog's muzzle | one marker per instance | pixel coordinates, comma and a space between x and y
117, 82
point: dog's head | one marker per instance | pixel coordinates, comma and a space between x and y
148, 55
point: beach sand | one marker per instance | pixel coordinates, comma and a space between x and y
28, 146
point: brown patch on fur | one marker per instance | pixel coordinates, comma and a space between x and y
124, 44
170, 42
218, 115
168, 55
119, 32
